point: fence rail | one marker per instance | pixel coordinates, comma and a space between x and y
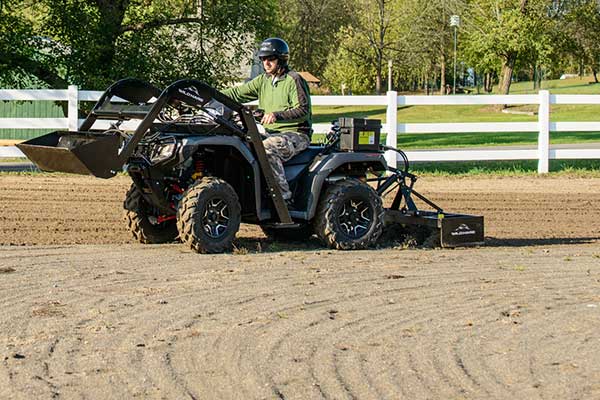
543, 153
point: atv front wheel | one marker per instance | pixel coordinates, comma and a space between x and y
349, 216
209, 216
145, 222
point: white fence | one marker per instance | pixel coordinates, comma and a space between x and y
391, 101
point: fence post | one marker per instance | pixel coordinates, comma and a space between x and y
391, 120
544, 135
73, 109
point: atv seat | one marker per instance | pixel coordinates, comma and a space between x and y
304, 157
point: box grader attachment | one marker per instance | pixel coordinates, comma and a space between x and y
199, 168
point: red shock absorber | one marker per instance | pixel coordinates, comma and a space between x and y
199, 169
163, 218
176, 188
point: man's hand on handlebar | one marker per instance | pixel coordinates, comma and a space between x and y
268, 119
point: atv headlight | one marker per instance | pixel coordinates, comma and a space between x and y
163, 152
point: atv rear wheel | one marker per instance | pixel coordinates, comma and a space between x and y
145, 222
349, 216
209, 216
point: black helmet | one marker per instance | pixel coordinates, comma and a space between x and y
274, 47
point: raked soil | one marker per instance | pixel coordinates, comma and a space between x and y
85, 312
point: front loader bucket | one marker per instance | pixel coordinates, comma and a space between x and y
86, 153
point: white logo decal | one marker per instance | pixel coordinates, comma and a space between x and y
190, 94
463, 229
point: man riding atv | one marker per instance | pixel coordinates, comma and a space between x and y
284, 97
199, 165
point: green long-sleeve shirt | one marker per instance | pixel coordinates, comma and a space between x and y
287, 97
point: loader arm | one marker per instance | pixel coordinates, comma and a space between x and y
103, 153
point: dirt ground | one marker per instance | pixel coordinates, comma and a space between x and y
87, 313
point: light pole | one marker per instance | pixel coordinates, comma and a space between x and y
389, 75
455, 22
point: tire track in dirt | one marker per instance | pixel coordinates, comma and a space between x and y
67, 209
425, 324
162, 322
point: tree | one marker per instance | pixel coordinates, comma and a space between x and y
94, 42
311, 26
432, 34
348, 69
510, 31
580, 20
372, 40
19, 62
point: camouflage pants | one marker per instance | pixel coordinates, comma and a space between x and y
280, 147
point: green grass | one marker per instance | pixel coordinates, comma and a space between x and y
573, 168
447, 114
484, 113
583, 85
13, 159
451, 140
487, 113
483, 139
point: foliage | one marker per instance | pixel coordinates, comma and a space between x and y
346, 69
506, 34
310, 27
374, 38
53, 43
18, 57
431, 36
580, 23
94, 42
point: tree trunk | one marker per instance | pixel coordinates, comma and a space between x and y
536, 79
487, 82
509, 63
595, 74
111, 18
378, 80
443, 74
507, 72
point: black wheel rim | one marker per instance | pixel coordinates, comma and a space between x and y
215, 219
355, 217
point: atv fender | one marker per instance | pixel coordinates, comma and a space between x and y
326, 168
190, 145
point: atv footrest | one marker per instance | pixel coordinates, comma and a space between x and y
455, 229
281, 225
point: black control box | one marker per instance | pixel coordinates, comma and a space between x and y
358, 134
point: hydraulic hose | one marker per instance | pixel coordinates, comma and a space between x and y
402, 154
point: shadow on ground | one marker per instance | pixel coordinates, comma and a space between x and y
414, 240
522, 242
396, 237
263, 245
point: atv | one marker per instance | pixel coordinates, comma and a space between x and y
199, 168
